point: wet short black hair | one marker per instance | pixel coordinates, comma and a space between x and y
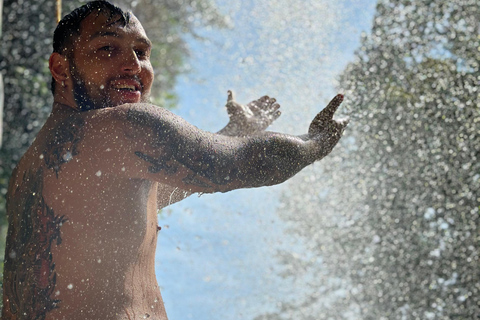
69, 27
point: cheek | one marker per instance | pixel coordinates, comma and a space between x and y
148, 75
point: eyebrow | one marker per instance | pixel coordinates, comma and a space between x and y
116, 35
104, 34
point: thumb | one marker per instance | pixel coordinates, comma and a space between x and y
232, 107
230, 96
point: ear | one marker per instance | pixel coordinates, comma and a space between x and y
59, 67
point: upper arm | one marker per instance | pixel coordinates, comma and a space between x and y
148, 142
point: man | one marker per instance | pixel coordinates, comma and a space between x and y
82, 202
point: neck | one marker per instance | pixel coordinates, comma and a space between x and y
63, 98
61, 107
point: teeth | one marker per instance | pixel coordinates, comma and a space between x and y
125, 86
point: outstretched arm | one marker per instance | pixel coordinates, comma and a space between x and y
176, 153
159, 146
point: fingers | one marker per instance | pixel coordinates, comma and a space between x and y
321, 125
268, 104
274, 107
264, 99
273, 110
342, 123
330, 109
230, 96
276, 114
270, 107
264, 103
233, 107
327, 113
326, 130
265, 108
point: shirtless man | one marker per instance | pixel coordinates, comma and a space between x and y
82, 202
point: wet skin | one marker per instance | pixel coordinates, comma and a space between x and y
108, 58
83, 200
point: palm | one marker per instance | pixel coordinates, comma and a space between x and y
326, 131
254, 117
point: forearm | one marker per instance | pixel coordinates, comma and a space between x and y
232, 130
181, 155
178, 194
273, 158
231, 163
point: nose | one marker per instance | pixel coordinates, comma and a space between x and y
131, 64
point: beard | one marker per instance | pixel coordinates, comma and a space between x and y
83, 97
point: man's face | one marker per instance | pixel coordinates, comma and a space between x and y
111, 63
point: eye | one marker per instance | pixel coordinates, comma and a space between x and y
106, 48
142, 53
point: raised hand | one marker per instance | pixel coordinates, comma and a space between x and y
251, 118
326, 131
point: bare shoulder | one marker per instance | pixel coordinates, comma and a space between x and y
149, 142
111, 140
130, 112
133, 122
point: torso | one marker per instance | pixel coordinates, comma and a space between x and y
81, 241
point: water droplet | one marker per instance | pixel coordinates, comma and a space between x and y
429, 213
99, 173
67, 156
70, 286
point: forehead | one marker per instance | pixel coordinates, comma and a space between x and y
100, 24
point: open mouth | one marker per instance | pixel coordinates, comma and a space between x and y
126, 90
126, 87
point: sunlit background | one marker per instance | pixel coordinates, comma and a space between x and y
386, 227
219, 257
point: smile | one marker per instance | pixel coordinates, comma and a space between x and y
125, 87
128, 85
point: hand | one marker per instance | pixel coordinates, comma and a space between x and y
326, 131
254, 117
